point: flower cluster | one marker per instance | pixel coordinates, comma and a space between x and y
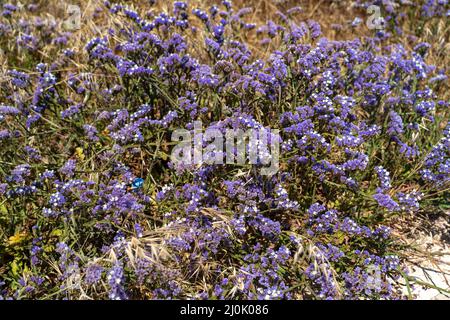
92, 205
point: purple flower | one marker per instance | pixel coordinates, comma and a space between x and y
116, 279
387, 202
91, 132
395, 126
68, 168
93, 274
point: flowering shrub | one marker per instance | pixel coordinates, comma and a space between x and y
91, 205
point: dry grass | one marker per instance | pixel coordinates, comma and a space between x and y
326, 12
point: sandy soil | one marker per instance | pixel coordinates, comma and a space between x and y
429, 261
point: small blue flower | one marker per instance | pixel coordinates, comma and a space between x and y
137, 183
